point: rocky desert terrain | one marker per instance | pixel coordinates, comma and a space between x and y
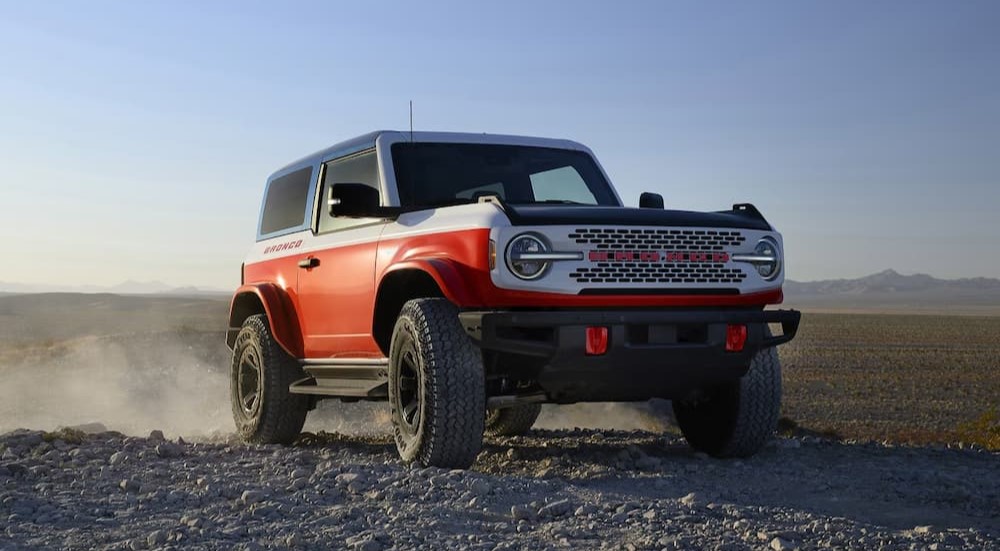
881, 449
567, 489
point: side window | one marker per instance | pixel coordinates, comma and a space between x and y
561, 184
356, 169
285, 204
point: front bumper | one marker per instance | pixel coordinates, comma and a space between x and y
650, 354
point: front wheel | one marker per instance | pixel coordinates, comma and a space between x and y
735, 419
437, 390
264, 410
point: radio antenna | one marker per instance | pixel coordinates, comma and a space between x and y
411, 121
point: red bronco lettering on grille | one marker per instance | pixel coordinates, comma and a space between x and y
657, 256
283, 246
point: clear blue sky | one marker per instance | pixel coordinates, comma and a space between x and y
135, 136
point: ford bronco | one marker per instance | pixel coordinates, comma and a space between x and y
469, 278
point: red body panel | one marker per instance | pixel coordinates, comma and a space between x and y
280, 310
333, 303
337, 302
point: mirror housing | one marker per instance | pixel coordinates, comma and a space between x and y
353, 200
650, 200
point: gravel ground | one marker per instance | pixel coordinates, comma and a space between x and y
553, 489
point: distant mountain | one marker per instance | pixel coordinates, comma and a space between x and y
890, 290
890, 281
140, 288
125, 288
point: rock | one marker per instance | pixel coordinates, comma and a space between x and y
691, 500
367, 545
129, 486
585, 510
297, 485
522, 512
556, 509
781, 544
169, 450
193, 522
480, 487
439, 481
118, 458
156, 436
345, 479
923, 529
28, 439
250, 497
156, 538
294, 540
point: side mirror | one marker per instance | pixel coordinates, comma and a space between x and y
650, 200
352, 200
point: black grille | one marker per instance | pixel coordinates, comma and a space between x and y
674, 240
648, 272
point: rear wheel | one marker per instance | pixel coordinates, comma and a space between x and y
264, 410
735, 419
512, 421
436, 386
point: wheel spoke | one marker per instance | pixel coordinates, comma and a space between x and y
410, 359
250, 400
407, 383
410, 411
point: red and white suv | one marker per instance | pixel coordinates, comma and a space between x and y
469, 278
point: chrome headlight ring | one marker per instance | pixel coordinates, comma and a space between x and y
526, 256
766, 258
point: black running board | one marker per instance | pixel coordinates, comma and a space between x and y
355, 378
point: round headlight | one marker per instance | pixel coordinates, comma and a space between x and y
519, 253
768, 261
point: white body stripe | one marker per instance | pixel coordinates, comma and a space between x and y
425, 222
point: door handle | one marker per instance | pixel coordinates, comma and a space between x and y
309, 262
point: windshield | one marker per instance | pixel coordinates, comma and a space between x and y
439, 174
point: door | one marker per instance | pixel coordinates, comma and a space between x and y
336, 283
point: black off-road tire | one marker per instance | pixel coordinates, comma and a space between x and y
735, 419
278, 415
512, 421
437, 391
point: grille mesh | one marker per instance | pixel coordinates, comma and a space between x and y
658, 239
655, 272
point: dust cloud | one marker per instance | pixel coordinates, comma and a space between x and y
179, 383
653, 416
131, 384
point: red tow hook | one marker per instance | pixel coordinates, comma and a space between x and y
597, 340
736, 337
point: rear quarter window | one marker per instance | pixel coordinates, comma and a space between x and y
286, 202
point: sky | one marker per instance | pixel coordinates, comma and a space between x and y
135, 137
